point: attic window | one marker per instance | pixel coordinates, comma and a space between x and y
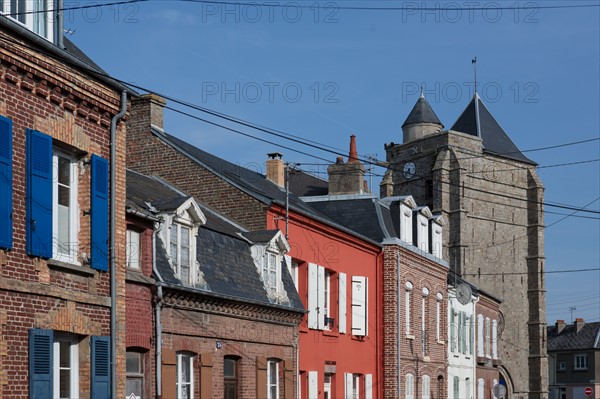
270, 271
181, 252
36, 15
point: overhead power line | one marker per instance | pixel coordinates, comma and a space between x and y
532, 273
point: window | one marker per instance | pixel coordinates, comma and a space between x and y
65, 208
327, 386
480, 347
409, 386
481, 388
468, 387
423, 321
36, 15
407, 305
495, 339
134, 379
133, 249
456, 388
180, 251
438, 316
66, 367
455, 338
269, 271
185, 375
327, 305
581, 361
360, 310
487, 337
355, 386
230, 377
562, 365
426, 387
272, 379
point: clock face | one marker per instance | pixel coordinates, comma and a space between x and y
409, 170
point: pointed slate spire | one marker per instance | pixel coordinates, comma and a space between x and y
421, 121
477, 120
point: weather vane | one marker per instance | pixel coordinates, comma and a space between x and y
474, 62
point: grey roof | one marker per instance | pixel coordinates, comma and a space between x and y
304, 184
569, 339
495, 140
260, 236
224, 258
422, 113
359, 215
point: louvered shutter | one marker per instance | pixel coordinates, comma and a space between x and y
348, 391
39, 194
99, 199
359, 305
6, 190
342, 303
40, 363
100, 381
313, 385
313, 289
368, 386
452, 331
321, 297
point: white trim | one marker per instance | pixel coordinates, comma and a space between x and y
31, 16
133, 249
72, 212
271, 383
313, 384
73, 365
360, 310
342, 310
179, 383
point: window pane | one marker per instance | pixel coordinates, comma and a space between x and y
185, 236
229, 368
64, 171
185, 274
185, 369
272, 372
65, 384
185, 256
133, 362
65, 354
272, 262
133, 386
173, 241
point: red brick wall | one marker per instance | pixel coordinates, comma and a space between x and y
486, 368
44, 94
149, 155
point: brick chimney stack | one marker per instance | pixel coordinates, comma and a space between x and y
560, 325
579, 324
149, 108
347, 177
275, 169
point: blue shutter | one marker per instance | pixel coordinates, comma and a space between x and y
39, 194
40, 363
6, 241
99, 226
100, 381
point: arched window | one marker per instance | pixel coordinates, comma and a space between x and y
134, 373
495, 339
273, 378
426, 387
488, 333
480, 352
424, 323
185, 375
407, 305
438, 316
230, 377
481, 388
409, 386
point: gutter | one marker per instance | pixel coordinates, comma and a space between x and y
113, 272
159, 303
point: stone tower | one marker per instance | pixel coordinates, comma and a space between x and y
491, 197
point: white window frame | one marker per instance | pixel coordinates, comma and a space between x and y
406, 224
409, 386
425, 294
480, 344
134, 245
355, 386
327, 299
438, 316
73, 363
426, 387
436, 240
407, 306
494, 339
271, 383
31, 17
269, 266
180, 383
73, 211
139, 375
580, 361
176, 257
488, 338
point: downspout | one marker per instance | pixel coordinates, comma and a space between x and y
158, 325
59, 31
399, 288
113, 272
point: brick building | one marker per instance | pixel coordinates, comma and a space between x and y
223, 306
491, 196
489, 325
56, 109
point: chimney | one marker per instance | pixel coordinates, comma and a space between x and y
579, 324
560, 325
275, 169
148, 109
347, 178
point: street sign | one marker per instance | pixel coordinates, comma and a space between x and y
588, 391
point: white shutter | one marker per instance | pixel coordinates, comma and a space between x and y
436, 240
368, 386
480, 335
423, 233
348, 385
342, 303
321, 297
313, 385
312, 296
359, 305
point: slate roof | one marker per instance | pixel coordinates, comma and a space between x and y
422, 113
304, 184
569, 339
224, 258
260, 236
495, 140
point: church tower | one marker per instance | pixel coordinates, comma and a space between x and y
491, 196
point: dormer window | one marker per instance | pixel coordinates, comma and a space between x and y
270, 271
268, 251
36, 15
180, 251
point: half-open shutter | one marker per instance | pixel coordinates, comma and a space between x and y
321, 297
6, 190
359, 305
288, 384
99, 222
261, 377
313, 289
368, 386
348, 390
39, 194
206, 375
100, 373
452, 332
169, 373
40, 363
313, 384
342, 303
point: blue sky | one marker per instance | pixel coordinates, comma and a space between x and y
323, 73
